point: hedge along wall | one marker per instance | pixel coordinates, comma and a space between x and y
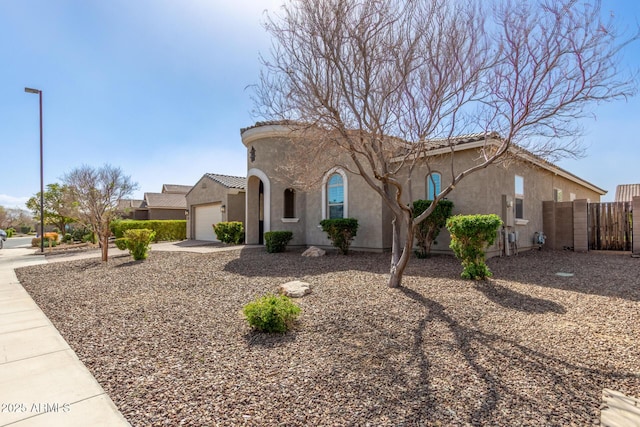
166, 230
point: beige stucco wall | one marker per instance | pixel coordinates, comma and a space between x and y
207, 191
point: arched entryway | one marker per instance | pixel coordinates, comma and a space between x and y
258, 220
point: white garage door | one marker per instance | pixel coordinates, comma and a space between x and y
206, 216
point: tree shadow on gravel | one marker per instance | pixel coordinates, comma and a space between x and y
511, 299
576, 388
131, 263
256, 263
436, 311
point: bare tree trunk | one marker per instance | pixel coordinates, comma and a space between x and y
105, 247
400, 255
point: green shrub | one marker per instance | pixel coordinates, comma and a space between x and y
341, 231
470, 234
428, 230
229, 232
48, 243
121, 243
67, 238
166, 230
10, 231
79, 234
138, 241
277, 241
271, 313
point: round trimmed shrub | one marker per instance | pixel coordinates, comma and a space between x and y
271, 313
277, 241
470, 234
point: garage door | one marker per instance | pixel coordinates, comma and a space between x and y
206, 216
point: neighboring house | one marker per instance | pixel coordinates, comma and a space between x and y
514, 190
213, 199
626, 192
132, 209
170, 204
165, 205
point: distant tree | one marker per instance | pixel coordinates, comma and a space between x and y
382, 80
55, 200
94, 195
4, 218
19, 218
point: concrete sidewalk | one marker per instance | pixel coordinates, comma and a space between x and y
42, 381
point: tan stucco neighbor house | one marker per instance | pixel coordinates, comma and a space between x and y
169, 204
213, 199
514, 190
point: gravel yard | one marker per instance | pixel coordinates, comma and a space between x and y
166, 338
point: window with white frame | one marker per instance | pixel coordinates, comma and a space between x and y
434, 181
572, 197
519, 193
335, 196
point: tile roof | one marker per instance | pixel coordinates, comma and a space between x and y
229, 181
176, 188
165, 200
130, 204
626, 192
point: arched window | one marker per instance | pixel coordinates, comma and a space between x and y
434, 181
289, 203
335, 196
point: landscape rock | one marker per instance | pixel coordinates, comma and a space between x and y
313, 252
295, 289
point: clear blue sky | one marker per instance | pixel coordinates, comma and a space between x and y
158, 88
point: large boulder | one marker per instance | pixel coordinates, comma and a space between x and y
295, 289
313, 252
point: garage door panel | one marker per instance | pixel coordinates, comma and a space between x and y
206, 216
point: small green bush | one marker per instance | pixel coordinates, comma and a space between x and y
470, 234
25, 229
48, 242
271, 313
277, 241
341, 231
121, 243
10, 231
428, 230
67, 238
138, 241
229, 232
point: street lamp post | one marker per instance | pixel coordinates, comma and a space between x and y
39, 92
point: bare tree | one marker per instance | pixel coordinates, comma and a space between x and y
387, 81
94, 195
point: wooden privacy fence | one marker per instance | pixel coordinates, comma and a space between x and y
610, 226
582, 226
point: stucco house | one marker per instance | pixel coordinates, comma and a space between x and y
213, 199
514, 190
